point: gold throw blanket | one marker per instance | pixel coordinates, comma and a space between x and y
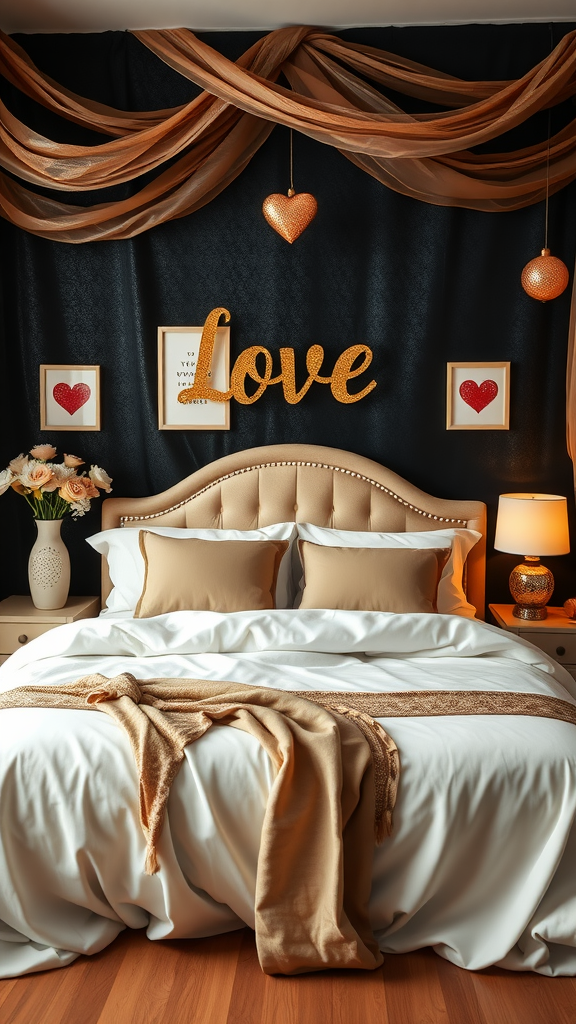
336, 783
314, 869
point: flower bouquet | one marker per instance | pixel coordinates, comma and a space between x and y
53, 490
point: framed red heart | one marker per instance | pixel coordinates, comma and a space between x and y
69, 397
478, 396
73, 398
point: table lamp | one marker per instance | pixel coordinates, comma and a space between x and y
532, 525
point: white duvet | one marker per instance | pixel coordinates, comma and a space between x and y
482, 861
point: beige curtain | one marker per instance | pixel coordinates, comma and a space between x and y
571, 382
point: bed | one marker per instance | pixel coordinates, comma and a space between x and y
480, 862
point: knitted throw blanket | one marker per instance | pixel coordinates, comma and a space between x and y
337, 776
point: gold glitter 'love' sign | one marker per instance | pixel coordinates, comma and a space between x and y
245, 367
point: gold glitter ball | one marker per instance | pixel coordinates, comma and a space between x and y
545, 277
290, 215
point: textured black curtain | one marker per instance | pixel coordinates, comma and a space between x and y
420, 284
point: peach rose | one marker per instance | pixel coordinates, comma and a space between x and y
35, 475
17, 465
52, 485
73, 461
60, 473
91, 491
73, 489
100, 478
43, 452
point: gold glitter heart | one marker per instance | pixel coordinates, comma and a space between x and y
290, 215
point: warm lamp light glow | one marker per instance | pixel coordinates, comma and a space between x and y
532, 524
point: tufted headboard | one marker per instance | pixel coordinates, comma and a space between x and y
305, 483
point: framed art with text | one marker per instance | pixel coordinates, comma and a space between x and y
178, 349
69, 397
478, 396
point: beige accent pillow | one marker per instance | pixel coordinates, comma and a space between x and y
371, 579
204, 575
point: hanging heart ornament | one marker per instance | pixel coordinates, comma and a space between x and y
290, 215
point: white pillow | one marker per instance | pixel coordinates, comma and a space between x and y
121, 548
451, 597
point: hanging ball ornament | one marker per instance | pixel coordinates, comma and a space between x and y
545, 277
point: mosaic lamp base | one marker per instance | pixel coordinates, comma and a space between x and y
531, 586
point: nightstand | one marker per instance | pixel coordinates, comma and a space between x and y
556, 635
20, 621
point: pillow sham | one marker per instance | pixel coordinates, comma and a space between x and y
121, 548
371, 579
451, 598
207, 575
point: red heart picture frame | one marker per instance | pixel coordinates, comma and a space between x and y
478, 396
69, 397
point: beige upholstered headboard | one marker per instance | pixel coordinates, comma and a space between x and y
306, 483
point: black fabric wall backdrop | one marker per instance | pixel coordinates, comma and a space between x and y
420, 284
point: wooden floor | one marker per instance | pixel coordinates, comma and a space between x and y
219, 981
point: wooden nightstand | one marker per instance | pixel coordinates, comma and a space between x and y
556, 635
20, 621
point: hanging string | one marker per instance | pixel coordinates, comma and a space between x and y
290, 217
547, 183
551, 31
546, 276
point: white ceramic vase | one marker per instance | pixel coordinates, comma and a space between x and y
49, 566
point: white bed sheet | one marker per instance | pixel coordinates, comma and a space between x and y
481, 863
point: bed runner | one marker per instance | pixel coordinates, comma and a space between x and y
336, 785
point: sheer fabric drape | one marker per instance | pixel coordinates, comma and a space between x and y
210, 140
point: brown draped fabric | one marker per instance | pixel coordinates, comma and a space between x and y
211, 139
426, 156
571, 382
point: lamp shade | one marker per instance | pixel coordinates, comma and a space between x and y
532, 524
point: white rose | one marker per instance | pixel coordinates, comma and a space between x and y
100, 478
6, 479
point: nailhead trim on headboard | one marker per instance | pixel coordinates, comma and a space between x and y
314, 465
